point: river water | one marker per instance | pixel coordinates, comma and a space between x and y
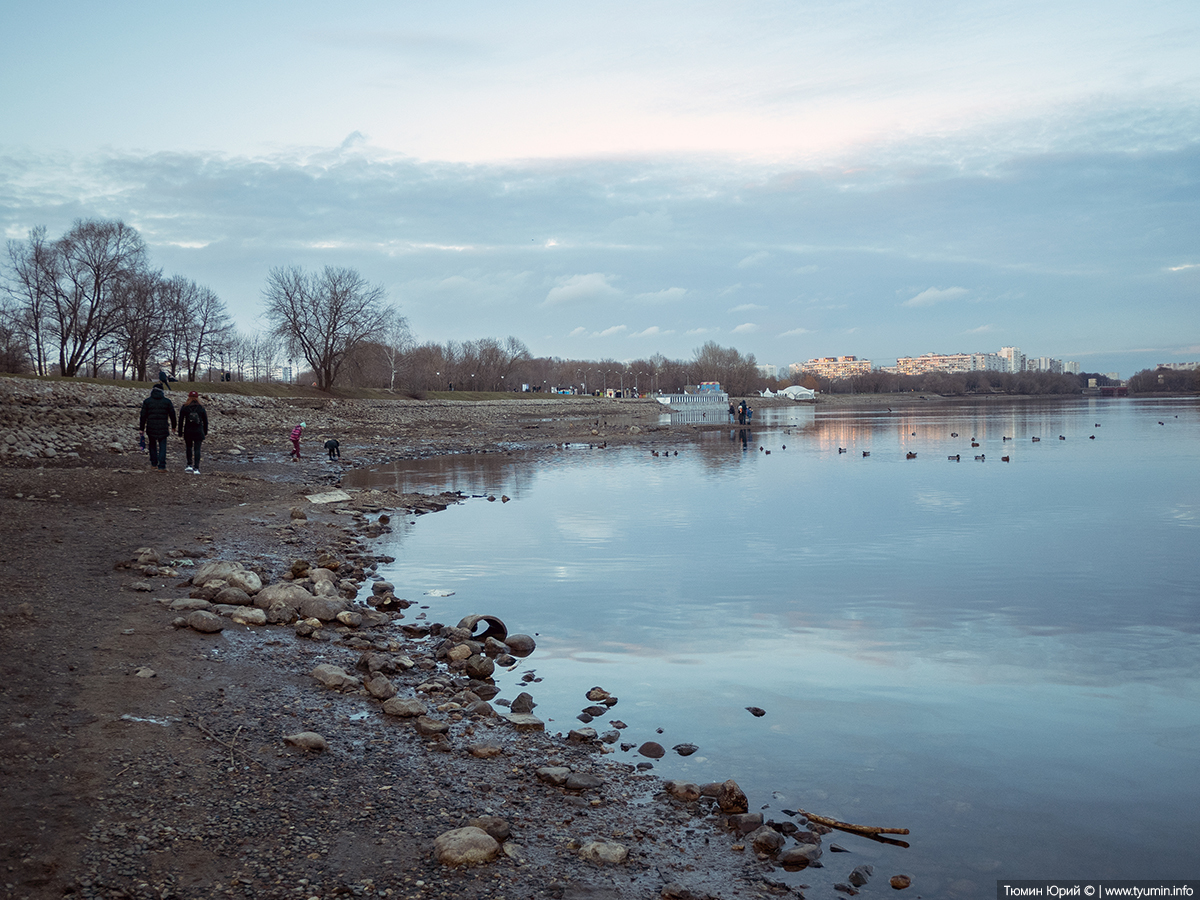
1002, 657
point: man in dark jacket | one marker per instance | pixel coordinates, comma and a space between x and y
157, 421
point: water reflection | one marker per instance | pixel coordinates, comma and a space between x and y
1003, 657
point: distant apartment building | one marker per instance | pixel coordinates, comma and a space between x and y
1179, 367
950, 362
766, 370
1044, 364
1071, 367
833, 367
1014, 359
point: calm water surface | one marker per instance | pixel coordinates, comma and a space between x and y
1003, 657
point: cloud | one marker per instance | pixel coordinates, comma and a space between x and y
694, 331
932, 296
747, 307
614, 330
746, 328
753, 259
1183, 267
652, 331
982, 329
578, 332
795, 332
581, 289
667, 295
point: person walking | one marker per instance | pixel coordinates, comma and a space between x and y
295, 439
193, 428
156, 422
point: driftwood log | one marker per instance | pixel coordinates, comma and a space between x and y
846, 826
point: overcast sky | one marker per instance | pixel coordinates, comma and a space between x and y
794, 179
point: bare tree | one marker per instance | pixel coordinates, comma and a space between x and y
395, 341
324, 316
93, 268
138, 336
32, 266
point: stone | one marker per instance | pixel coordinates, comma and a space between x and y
205, 622
215, 570
485, 751
523, 704
350, 618
335, 677
458, 653
380, 687
232, 596
479, 708
610, 737
861, 875
900, 882
653, 750
307, 740
683, 790
405, 709
555, 775
429, 726
731, 798
581, 735
290, 593
756, 711
597, 694
493, 825
766, 840
467, 846
744, 823
248, 615
480, 667
520, 645
382, 587
604, 852
324, 608
244, 580
582, 781
799, 856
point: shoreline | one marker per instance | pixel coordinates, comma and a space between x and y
149, 757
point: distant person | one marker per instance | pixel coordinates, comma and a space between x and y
749, 413
334, 448
295, 439
193, 428
156, 422
164, 380
732, 411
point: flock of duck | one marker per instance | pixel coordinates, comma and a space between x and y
957, 457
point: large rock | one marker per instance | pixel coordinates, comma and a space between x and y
799, 857
248, 615
523, 704
324, 608
525, 722
406, 708
307, 740
731, 798
683, 790
335, 677
286, 591
766, 839
520, 644
205, 622
609, 852
232, 596
469, 846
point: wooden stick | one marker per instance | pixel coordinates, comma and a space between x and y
846, 826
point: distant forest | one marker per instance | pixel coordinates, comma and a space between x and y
89, 303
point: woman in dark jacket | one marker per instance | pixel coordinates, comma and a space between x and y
193, 427
156, 421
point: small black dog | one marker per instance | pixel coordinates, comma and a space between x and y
333, 447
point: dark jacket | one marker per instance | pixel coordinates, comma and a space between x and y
158, 414
193, 421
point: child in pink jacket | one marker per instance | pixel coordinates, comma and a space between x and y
295, 438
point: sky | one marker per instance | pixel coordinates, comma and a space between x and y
612, 180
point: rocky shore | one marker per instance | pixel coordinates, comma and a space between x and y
210, 692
